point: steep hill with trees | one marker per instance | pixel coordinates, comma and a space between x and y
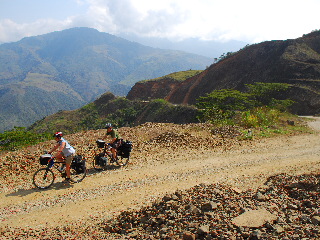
120, 111
64, 70
295, 62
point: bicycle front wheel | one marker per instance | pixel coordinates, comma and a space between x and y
121, 161
43, 178
77, 176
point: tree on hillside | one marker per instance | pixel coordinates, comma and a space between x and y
265, 94
223, 104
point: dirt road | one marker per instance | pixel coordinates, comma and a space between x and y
106, 193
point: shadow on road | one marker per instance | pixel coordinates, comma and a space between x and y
58, 185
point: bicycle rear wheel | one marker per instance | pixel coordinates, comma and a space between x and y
121, 161
77, 176
43, 178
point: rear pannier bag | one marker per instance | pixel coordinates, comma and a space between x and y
45, 158
79, 164
125, 149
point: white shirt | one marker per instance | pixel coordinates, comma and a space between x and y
68, 149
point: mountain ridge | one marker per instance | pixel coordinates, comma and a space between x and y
294, 61
66, 69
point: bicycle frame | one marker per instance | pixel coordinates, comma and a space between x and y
107, 150
52, 164
120, 161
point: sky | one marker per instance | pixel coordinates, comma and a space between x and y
250, 21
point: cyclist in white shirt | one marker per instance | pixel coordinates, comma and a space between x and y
65, 152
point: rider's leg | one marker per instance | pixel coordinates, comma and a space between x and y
114, 153
68, 164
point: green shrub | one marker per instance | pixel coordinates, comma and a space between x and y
260, 105
261, 116
123, 117
19, 137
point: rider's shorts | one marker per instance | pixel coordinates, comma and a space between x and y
69, 159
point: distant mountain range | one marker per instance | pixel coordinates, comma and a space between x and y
64, 70
208, 48
295, 62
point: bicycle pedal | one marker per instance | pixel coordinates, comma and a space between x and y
63, 175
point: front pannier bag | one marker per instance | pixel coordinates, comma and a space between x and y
101, 160
100, 143
45, 158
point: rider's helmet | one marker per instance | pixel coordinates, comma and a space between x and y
108, 125
58, 134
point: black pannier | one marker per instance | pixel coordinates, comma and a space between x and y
100, 143
79, 164
125, 149
45, 158
101, 160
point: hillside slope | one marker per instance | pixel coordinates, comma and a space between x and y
117, 110
296, 62
64, 70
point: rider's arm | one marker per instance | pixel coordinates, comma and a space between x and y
63, 144
105, 136
54, 148
61, 147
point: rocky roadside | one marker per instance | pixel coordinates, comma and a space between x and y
285, 207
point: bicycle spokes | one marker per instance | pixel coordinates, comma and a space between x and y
43, 178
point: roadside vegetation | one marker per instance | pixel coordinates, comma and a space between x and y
20, 137
260, 109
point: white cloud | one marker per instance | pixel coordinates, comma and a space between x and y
11, 31
246, 20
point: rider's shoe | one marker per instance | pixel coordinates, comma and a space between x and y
113, 160
66, 180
